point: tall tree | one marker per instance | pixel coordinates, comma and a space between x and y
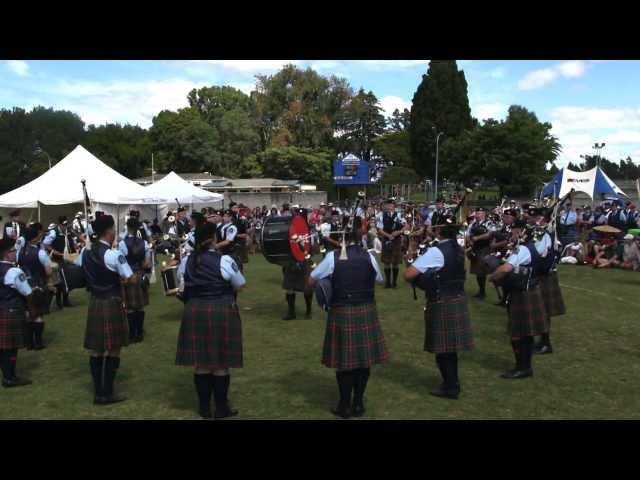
361, 123
440, 104
125, 148
394, 149
399, 121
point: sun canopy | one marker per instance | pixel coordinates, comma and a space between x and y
61, 185
594, 183
173, 187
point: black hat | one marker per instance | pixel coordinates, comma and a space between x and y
232, 204
182, 209
99, 214
103, 223
198, 218
15, 213
511, 212
440, 200
134, 213
205, 232
535, 211
228, 212
480, 209
133, 223
390, 200
525, 206
30, 233
38, 226
519, 223
62, 220
335, 212
6, 244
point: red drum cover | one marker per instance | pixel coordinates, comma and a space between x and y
299, 227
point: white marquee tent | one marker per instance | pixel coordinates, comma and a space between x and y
174, 187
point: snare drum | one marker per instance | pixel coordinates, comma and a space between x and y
170, 280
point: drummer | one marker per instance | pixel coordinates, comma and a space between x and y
226, 236
58, 241
136, 295
296, 279
36, 264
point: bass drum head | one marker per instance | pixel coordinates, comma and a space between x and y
276, 238
299, 227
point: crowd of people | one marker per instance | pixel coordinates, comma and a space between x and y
514, 247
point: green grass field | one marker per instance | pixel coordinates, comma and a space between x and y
592, 374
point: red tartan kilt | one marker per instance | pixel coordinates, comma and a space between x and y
135, 296
210, 335
527, 313
353, 338
448, 325
552, 295
12, 327
107, 325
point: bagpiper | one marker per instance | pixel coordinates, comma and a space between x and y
353, 340
440, 272
480, 240
210, 338
390, 228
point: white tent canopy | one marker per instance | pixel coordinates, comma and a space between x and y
173, 187
61, 185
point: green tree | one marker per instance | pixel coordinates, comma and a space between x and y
399, 121
125, 148
394, 148
440, 104
399, 176
361, 123
293, 163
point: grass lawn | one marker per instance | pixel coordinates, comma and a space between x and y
594, 372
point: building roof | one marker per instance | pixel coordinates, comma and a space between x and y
249, 183
190, 177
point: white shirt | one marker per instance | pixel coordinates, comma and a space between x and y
16, 279
432, 258
521, 257
325, 229
113, 259
229, 231
543, 245
49, 238
325, 268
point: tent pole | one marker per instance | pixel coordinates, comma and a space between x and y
38, 212
118, 223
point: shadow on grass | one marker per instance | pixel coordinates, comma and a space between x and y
495, 362
419, 379
318, 390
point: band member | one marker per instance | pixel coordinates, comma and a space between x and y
441, 274
107, 329
390, 228
480, 240
210, 338
137, 252
36, 264
526, 311
227, 233
60, 240
15, 297
240, 248
330, 239
13, 228
182, 222
79, 225
295, 279
437, 217
353, 339
501, 242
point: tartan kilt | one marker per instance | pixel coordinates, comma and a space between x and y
392, 255
353, 338
448, 325
527, 314
135, 296
552, 295
210, 335
295, 276
107, 325
12, 326
475, 266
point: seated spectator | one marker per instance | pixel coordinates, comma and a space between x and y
628, 255
573, 253
605, 249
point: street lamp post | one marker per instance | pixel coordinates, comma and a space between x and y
435, 188
598, 147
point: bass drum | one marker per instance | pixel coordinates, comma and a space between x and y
285, 240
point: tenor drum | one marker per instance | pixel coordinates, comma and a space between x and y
170, 280
285, 240
74, 277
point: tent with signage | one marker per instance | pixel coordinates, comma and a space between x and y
595, 183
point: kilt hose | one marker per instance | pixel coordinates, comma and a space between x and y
552, 295
392, 255
12, 326
475, 262
448, 325
210, 335
107, 326
295, 276
135, 296
353, 338
527, 314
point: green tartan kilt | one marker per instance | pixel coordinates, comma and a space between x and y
135, 295
12, 326
295, 276
392, 255
107, 327
448, 325
552, 295
210, 335
475, 263
353, 338
527, 314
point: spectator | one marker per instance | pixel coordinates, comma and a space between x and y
567, 228
627, 255
617, 218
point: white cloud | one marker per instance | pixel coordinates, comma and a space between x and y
251, 66
245, 87
539, 78
498, 72
495, 110
19, 67
390, 103
325, 65
391, 64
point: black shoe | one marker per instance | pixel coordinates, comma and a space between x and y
542, 349
357, 410
342, 411
109, 400
67, 303
39, 346
15, 382
289, 316
443, 392
205, 413
225, 412
516, 374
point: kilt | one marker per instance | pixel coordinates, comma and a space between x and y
552, 295
210, 335
295, 276
107, 326
353, 338
392, 255
527, 314
135, 296
448, 325
12, 326
476, 261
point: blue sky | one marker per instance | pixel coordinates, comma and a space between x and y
586, 101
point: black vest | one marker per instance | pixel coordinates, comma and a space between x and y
333, 236
135, 252
526, 276
59, 243
353, 280
451, 277
9, 297
615, 221
479, 229
101, 282
30, 264
203, 278
390, 223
